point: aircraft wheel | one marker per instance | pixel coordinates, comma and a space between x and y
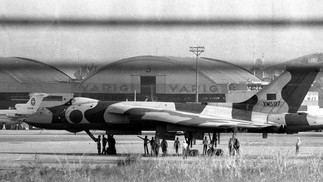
218, 152
209, 152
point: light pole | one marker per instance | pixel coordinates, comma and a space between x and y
197, 50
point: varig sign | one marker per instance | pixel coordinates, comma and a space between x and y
181, 88
105, 88
160, 88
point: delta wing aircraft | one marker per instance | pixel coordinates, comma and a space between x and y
17, 115
271, 110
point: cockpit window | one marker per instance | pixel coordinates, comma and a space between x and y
69, 102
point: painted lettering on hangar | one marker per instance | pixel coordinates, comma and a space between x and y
126, 88
105, 88
179, 88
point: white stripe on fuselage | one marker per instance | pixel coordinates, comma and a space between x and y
121, 107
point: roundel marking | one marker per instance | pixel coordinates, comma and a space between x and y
76, 116
33, 101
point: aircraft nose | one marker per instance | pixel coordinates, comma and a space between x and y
43, 116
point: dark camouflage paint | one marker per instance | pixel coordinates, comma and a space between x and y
96, 114
58, 114
300, 82
190, 107
296, 119
243, 110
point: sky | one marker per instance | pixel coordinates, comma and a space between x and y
238, 45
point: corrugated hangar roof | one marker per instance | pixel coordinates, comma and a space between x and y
220, 72
24, 70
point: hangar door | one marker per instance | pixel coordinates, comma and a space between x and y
148, 86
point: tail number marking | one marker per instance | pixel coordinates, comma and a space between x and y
272, 104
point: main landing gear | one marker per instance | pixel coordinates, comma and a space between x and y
212, 150
212, 147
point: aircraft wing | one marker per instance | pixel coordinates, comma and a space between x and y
137, 114
8, 112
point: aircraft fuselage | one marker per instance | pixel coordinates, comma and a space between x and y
100, 115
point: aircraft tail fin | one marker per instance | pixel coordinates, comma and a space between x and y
283, 95
32, 105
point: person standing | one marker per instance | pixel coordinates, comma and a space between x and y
152, 146
184, 147
112, 145
231, 145
157, 145
146, 141
236, 146
164, 146
205, 144
176, 145
298, 143
104, 144
113, 141
98, 142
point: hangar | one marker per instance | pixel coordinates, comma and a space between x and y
21, 76
166, 79
154, 77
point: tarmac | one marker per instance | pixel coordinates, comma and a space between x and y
58, 148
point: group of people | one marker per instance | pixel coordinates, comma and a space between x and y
185, 147
234, 146
111, 149
155, 144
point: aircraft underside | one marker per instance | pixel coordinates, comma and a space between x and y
135, 128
